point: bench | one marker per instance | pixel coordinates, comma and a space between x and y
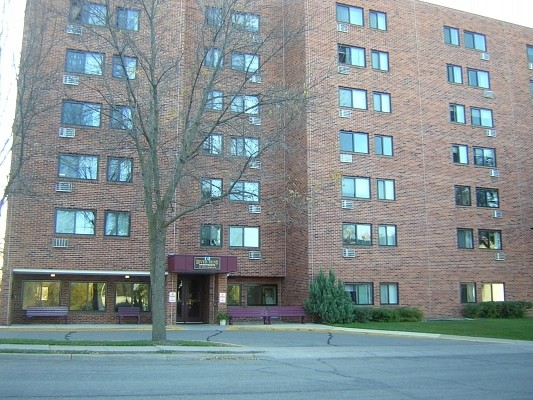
39, 312
286, 311
248, 312
129, 312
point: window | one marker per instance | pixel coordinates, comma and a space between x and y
492, 292
489, 239
245, 191
529, 53
127, 19
129, 294
124, 67
359, 234
262, 295
89, 13
481, 117
84, 62
475, 41
213, 58
380, 60
386, 189
121, 118
77, 222
244, 147
457, 113
234, 295
245, 62
213, 16
478, 78
387, 235
487, 198
352, 98
382, 102
78, 167
245, 21
354, 142
484, 156
83, 114
451, 35
383, 145
531, 88
117, 223
361, 293
244, 236
455, 73
358, 188
460, 154
215, 100
388, 293
351, 55
87, 296
465, 238
211, 188
468, 292
245, 104
212, 144
40, 294
349, 14
211, 235
119, 169
378, 20
462, 196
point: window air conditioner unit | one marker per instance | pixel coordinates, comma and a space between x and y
343, 69
494, 173
254, 120
489, 94
342, 28
74, 29
256, 164
255, 78
72, 80
499, 256
490, 132
346, 158
485, 56
345, 113
254, 209
64, 187
60, 242
497, 213
67, 132
348, 253
530, 65
347, 204
254, 255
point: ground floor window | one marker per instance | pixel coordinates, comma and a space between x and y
361, 293
262, 295
468, 292
40, 294
87, 296
492, 292
133, 295
234, 295
388, 293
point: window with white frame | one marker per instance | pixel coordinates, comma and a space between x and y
244, 191
119, 169
468, 292
460, 154
454, 73
481, 117
127, 19
350, 14
451, 35
378, 20
213, 144
84, 62
244, 236
354, 142
457, 113
247, 22
356, 187
382, 102
124, 67
475, 41
388, 293
361, 293
352, 98
211, 188
89, 13
213, 16
487, 197
465, 238
80, 113
78, 166
244, 146
492, 292
117, 223
213, 58
380, 60
211, 235
215, 100
245, 62
478, 78
245, 104
75, 222
383, 145
357, 234
386, 189
462, 195
387, 235
351, 55
489, 239
121, 118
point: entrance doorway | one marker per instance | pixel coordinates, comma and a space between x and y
192, 298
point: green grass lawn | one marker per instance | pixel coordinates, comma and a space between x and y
521, 329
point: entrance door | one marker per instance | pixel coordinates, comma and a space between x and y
191, 300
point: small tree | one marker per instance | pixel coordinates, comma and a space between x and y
329, 300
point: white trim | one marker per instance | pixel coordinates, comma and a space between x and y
78, 272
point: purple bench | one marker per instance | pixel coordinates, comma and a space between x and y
286, 311
134, 312
248, 312
38, 312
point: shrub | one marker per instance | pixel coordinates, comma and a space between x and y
328, 300
385, 315
471, 311
410, 314
362, 314
500, 309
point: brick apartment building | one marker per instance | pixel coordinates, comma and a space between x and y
410, 170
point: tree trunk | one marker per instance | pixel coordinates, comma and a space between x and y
158, 263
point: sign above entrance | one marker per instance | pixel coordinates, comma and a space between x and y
202, 263
197, 264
